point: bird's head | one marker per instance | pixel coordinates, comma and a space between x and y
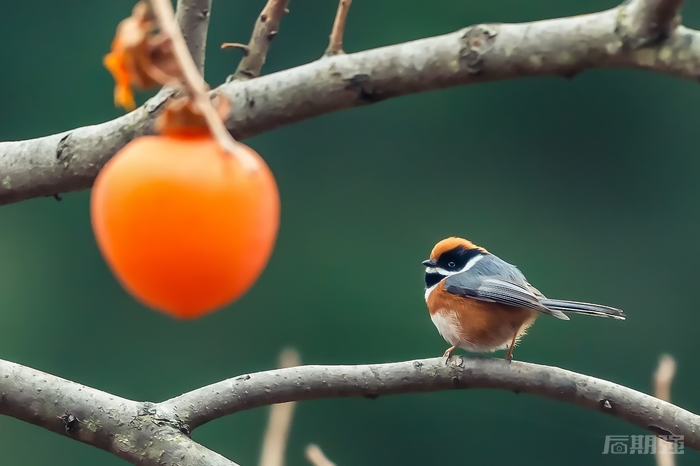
448, 257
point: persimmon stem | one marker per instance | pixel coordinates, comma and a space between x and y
194, 83
335, 45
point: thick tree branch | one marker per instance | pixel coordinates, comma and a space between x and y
193, 18
264, 31
128, 429
486, 52
646, 21
370, 381
149, 434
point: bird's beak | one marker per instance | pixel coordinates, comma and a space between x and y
429, 263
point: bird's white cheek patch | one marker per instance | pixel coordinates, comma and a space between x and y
447, 323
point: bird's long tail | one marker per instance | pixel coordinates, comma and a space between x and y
584, 308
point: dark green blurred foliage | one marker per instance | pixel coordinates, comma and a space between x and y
589, 185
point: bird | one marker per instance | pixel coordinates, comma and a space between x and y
481, 303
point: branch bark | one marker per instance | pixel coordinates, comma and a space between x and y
128, 429
193, 18
146, 433
371, 381
487, 52
647, 21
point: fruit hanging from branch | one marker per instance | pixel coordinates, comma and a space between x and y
186, 219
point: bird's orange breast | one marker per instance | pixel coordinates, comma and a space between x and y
476, 325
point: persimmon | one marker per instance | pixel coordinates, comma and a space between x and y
184, 226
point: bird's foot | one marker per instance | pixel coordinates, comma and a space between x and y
448, 353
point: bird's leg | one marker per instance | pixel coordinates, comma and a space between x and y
509, 355
448, 353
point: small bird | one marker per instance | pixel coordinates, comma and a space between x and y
481, 303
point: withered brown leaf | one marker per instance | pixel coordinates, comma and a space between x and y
140, 56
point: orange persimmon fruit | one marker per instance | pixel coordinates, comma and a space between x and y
183, 225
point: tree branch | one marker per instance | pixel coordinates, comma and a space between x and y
193, 18
487, 52
264, 31
128, 429
152, 434
370, 381
646, 21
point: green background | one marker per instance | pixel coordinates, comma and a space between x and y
588, 185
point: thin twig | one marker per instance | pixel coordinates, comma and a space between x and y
335, 44
266, 28
236, 45
315, 456
277, 433
195, 84
662, 390
193, 18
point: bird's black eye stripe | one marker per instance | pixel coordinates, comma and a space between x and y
457, 258
432, 279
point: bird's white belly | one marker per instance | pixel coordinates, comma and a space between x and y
450, 328
448, 325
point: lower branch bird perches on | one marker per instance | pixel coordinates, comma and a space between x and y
146, 433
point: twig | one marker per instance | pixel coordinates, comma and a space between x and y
236, 45
316, 457
265, 30
195, 85
193, 18
335, 45
277, 433
647, 21
488, 52
370, 381
662, 390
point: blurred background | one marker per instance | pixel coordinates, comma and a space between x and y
589, 185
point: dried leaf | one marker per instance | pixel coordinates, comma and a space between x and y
140, 57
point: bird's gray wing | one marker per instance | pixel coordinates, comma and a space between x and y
492, 279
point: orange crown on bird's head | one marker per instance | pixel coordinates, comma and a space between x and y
448, 244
